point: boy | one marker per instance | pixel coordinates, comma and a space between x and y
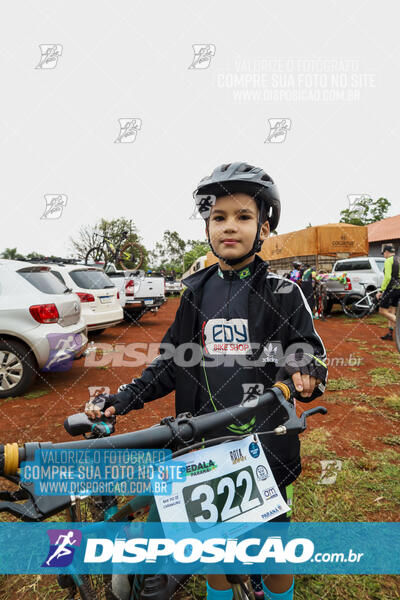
252, 328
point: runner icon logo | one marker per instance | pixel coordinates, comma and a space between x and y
60, 552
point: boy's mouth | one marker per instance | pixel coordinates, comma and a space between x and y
230, 242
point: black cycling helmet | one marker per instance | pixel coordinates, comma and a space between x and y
388, 248
240, 177
296, 264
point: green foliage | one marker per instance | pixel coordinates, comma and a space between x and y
88, 236
168, 254
365, 211
11, 254
198, 249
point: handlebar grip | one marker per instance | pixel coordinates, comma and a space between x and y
9, 459
287, 388
80, 424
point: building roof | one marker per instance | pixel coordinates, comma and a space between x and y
387, 229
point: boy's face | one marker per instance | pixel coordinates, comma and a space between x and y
233, 226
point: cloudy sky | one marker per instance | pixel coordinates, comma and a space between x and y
308, 91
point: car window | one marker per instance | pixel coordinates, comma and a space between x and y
91, 279
58, 275
353, 265
361, 265
44, 281
344, 265
380, 264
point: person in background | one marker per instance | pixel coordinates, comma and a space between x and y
307, 285
389, 294
295, 273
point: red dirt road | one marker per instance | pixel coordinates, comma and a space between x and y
353, 348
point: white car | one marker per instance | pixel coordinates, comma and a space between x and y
361, 269
172, 286
41, 325
141, 293
100, 302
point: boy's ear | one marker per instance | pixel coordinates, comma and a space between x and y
264, 231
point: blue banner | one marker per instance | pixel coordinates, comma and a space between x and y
337, 548
102, 472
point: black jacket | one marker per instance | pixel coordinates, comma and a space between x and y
278, 316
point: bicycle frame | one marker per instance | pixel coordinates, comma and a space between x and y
370, 303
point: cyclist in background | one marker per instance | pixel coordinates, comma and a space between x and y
389, 294
308, 284
295, 273
236, 310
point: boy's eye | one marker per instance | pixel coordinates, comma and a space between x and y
246, 217
218, 218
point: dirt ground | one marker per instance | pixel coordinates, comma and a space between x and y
363, 401
354, 348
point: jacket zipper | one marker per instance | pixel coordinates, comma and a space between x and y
229, 292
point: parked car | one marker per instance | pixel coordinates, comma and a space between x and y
363, 269
172, 286
41, 325
99, 297
142, 293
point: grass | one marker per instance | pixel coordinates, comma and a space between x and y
391, 440
342, 383
366, 489
37, 394
393, 401
384, 376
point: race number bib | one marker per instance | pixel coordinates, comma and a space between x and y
222, 336
228, 482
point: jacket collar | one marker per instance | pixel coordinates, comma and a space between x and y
197, 280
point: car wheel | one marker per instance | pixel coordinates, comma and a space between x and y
17, 368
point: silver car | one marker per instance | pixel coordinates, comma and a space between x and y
41, 326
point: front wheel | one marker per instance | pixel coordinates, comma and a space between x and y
96, 256
355, 306
130, 256
18, 368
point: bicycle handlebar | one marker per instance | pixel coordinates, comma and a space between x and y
180, 432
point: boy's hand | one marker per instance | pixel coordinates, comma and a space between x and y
304, 384
305, 370
93, 412
102, 402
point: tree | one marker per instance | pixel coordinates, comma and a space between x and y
198, 248
364, 211
168, 254
88, 236
11, 254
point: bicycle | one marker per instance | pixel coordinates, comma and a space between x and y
397, 327
129, 254
182, 435
357, 306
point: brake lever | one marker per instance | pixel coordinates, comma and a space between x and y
294, 424
36, 507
